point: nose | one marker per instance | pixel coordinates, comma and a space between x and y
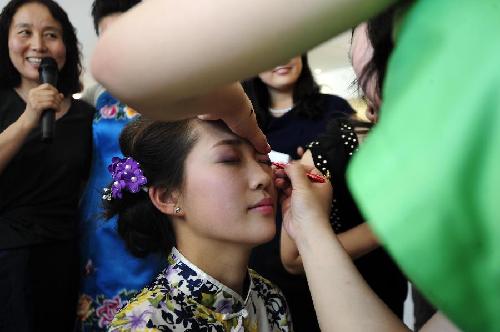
260, 177
38, 44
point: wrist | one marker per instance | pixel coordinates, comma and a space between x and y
25, 122
308, 233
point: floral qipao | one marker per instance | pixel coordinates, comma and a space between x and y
184, 298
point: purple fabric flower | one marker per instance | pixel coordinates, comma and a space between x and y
127, 175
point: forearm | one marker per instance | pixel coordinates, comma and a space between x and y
358, 241
289, 254
342, 299
11, 141
201, 45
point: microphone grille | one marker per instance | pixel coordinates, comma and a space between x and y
48, 62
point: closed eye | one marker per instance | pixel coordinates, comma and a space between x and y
231, 161
24, 32
266, 162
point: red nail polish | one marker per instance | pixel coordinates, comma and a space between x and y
315, 178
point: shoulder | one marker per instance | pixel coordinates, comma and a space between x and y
274, 301
6, 92
82, 107
265, 287
336, 104
7, 96
143, 311
11, 107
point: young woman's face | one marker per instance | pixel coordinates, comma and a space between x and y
284, 77
361, 54
33, 35
228, 194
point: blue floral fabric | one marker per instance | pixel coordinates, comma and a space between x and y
184, 298
110, 274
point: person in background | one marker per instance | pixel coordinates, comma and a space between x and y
110, 274
434, 150
40, 182
196, 191
289, 106
291, 111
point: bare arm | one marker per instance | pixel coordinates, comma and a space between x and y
342, 299
166, 51
357, 242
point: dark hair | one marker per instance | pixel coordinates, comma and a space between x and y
379, 30
161, 149
103, 8
305, 95
69, 76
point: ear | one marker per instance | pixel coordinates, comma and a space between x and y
166, 202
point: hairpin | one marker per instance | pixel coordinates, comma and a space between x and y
127, 175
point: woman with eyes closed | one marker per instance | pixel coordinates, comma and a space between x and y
39, 181
205, 197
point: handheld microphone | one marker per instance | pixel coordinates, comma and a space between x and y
48, 73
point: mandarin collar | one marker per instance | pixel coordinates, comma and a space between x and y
202, 288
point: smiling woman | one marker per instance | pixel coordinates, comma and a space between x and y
38, 181
209, 199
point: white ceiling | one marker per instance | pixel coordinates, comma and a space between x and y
330, 56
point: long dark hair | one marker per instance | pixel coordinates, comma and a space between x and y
161, 149
305, 95
69, 76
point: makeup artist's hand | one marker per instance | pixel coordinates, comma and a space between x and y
304, 203
242, 119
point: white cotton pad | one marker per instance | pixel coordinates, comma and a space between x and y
278, 157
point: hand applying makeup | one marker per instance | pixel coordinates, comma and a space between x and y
303, 202
313, 177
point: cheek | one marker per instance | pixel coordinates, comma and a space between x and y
207, 192
266, 77
15, 47
59, 54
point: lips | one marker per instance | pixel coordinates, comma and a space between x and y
282, 70
264, 202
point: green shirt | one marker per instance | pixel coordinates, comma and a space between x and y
428, 177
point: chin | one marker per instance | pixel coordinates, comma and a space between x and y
266, 234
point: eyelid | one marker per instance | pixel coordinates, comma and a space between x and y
265, 161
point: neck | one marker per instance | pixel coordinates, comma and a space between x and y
280, 99
225, 262
24, 88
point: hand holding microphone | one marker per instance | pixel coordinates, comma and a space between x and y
49, 98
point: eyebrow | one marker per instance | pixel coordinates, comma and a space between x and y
231, 141
28, 25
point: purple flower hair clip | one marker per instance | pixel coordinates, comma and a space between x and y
127, 175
